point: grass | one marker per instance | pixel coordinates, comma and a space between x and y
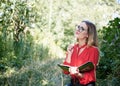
35, 73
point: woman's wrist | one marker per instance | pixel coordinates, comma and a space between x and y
80, 75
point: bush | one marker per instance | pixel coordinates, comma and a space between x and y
109, 59
34, 73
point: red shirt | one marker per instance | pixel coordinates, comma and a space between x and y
88, 54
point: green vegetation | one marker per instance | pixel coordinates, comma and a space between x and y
108, 71
34, 35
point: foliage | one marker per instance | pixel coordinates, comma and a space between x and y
110, 62
14, 19
34, 73
60, 17
34, 31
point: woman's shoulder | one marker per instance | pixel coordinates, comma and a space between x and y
93, 48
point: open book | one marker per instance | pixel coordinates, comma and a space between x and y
83, 68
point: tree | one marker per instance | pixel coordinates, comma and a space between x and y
109, 60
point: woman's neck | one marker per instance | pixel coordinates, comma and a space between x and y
81, 42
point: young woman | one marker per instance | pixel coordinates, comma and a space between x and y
85, 50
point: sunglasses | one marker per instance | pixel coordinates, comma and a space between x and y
79, 28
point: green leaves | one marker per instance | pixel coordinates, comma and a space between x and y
110, 47
14, 19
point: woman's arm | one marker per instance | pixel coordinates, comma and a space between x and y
68, 57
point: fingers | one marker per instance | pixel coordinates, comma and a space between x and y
75, 71
80, 75
70, 48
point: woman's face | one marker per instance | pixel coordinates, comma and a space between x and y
81, 31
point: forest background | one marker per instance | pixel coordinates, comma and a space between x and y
34, 35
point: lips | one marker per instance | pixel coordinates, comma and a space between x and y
77, 32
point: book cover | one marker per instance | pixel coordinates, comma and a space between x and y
83, 68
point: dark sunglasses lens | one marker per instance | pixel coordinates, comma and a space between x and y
79, 28
82, 29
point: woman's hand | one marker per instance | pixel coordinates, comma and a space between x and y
79, 75
69, 53
75, 71
70, 48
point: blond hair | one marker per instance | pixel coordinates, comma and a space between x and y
92, 39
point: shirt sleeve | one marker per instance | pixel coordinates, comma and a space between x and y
94, 56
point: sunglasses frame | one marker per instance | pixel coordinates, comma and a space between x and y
79, 28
